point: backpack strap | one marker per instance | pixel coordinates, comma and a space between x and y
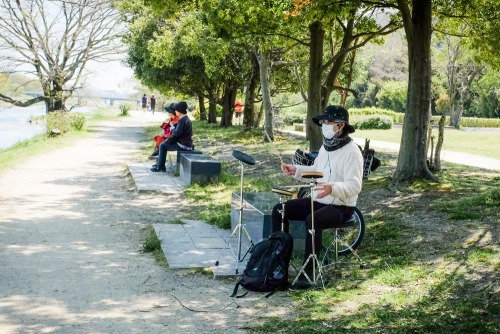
271, 293
235, 291
243, 295
282, 287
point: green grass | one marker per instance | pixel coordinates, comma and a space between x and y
475, 206
478, 143
432, 250
152, 244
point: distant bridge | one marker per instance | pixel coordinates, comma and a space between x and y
108, 96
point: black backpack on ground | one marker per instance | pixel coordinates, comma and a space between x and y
267, 268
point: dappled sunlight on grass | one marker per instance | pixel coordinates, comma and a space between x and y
425, 273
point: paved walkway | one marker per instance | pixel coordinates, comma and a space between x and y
193, 243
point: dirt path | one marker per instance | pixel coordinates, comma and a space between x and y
71, 234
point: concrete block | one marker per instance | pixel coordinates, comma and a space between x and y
178, 158
199, 168
256, 217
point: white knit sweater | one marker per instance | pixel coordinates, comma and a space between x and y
343, 169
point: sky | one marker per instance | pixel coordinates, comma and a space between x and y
111, 76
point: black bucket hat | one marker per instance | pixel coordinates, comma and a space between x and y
171, 108
182, 107
335, 114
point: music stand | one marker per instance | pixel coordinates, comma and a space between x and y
243, 158
313, 256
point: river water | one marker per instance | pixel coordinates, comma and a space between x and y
15, 125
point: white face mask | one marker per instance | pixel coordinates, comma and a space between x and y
327, 130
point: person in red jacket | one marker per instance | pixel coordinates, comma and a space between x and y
238, 109
168, 127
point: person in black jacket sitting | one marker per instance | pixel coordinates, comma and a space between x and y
181, 139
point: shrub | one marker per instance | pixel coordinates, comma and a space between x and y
295, 114
289, 119
469, 122
77, 120
373, 111
196, 114
58, 120
372, 123
443, 104
392, 95
125, 108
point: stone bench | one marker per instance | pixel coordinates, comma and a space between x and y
299, 127
178, 159
198, 168
257, 209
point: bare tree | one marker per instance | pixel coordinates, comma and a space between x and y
54, 41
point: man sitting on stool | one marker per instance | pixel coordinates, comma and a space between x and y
341, 163
180, 140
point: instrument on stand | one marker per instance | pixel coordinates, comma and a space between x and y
313, 256
240, 228
282, 192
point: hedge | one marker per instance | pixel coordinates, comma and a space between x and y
468, 122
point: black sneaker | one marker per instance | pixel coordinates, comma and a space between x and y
158, 169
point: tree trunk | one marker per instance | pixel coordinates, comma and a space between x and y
228, 99
266, 95
412, 159
313, 132
212, 110
249, 116
259, 115
55, 101
203, 111
345, 93
439, 144
331, 79
464, 93
457, 115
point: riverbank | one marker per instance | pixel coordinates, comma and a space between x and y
18, 124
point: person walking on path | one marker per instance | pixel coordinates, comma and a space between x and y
238, 109
144, 103
152, 102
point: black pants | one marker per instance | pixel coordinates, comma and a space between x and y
325, 216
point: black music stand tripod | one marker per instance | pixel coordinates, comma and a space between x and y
240, 228
317, 267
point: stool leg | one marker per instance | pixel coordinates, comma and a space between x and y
335, 244
336, 240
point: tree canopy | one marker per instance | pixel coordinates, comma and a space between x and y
316, 42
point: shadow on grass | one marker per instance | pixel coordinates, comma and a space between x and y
400, 292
